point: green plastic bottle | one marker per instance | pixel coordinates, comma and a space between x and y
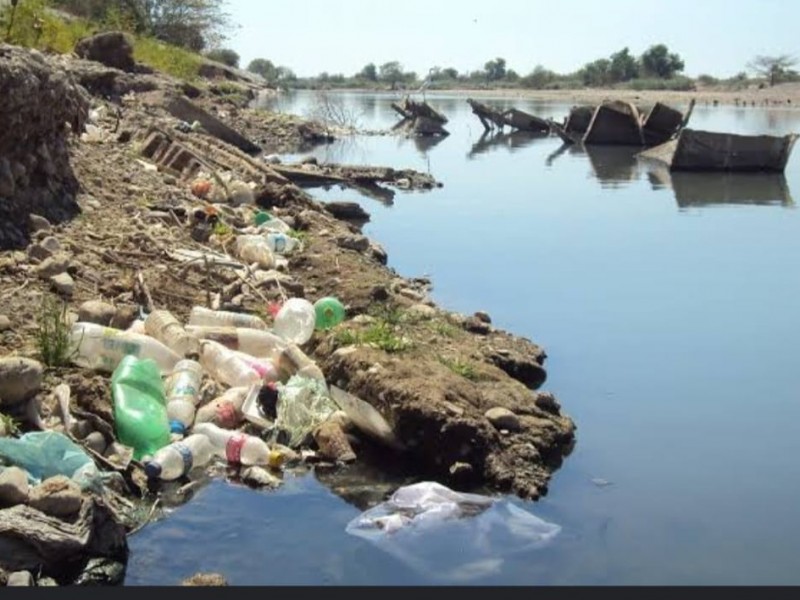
330, 312
262, 217
140, 411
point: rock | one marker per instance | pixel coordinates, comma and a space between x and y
462, 471
475, 325
5, 323
483, 316
20, 379
359, 243
38, 253
260, 477
423, 310
205, 580
58, 496
522, 368
547, 402
411, 294
51, 244
347, 211
333, 443
20, 579
111, 48
379, 293
13, 487
96, 442
378, 253
101, 571
502, 418
95, 311
50, 267
38, 223
125, 136
309, 160
63, 284
124, 317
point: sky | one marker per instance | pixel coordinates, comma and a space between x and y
718, 37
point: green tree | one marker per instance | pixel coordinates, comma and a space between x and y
263, 67
659, 62
623, 66
596, 73
539, 78
369, 72
391, 73
774, 68
495, 70
224, 55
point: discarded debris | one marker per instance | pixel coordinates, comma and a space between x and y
512, 117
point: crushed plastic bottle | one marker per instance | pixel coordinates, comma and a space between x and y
183, 394
102, 348
163, 326
303, 405
255, 342
255, 249
177, 459
329, 313
293, 361
295, 321
265, 368
224, 411
237, 448
205, 317
225, 366
140, 412
280, 243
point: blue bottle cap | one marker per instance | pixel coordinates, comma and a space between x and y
152, 470
177, 427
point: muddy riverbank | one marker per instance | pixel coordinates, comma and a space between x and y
463, 398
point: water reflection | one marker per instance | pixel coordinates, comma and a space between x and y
511, 141
612, 166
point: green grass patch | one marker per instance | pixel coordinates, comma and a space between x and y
300, 236
52, 333
380, 334
222, 229
444, 329
460, 367
9, 424
168, 59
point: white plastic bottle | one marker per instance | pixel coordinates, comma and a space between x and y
236, 448
163, 326
294, 361
295, 321
255, 249
280, 243
183, 394
224, 411
225, 366
219, 318
102, 348
177, 459
266, 369
255, 342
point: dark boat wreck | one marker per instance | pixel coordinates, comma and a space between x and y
419, 119
516, 119
723, 152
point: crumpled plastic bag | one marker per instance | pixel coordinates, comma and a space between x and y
45, 454
303, 404
449, 535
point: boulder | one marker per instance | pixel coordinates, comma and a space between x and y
20, 379
38, 223
63, 284
20, 579
112, 48
50, 267
5, 323
347, 211
13, 487
58, 496
502, 418
95, 311
359, 243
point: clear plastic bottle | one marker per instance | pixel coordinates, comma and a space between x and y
237, 448
266, 368
183, 394
280, 243
206, 317
225, 366
255, 342
294, 361
224, 411
255, 249
102, 348
296, 320
163, 326
176, 460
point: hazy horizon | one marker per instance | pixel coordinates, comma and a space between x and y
312, 36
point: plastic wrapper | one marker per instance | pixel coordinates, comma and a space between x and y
303, 404
449, 535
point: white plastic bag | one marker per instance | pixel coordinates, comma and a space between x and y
448, 535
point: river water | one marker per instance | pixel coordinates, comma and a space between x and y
665, 305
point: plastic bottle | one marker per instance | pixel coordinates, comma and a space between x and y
280, 243
237, 448
219, 318
294, 361
330, 312
140, 412
224, 411
176, 460
183, 394
265, 368
102, 348
163, 326
255, 342
225, 366
255, 249
295, 321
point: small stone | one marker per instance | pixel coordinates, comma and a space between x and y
333, 443
378, 253
461, 470
453, 409
547, 402
51, 244
359, 243
95, 311
502, 418
423, 310
13, 487
411, 294
483, 316
63, 284
125, 136
205, 580
124, 317
58, 496
20, 379
475, 325
379, 293
38, 223
260, 477
54, 265
38, 253
309, 160
5, 323
170, 180
20, 579
96, 442
362, 320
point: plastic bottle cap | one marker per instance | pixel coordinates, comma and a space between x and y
262, 217
152, 470
177, 427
